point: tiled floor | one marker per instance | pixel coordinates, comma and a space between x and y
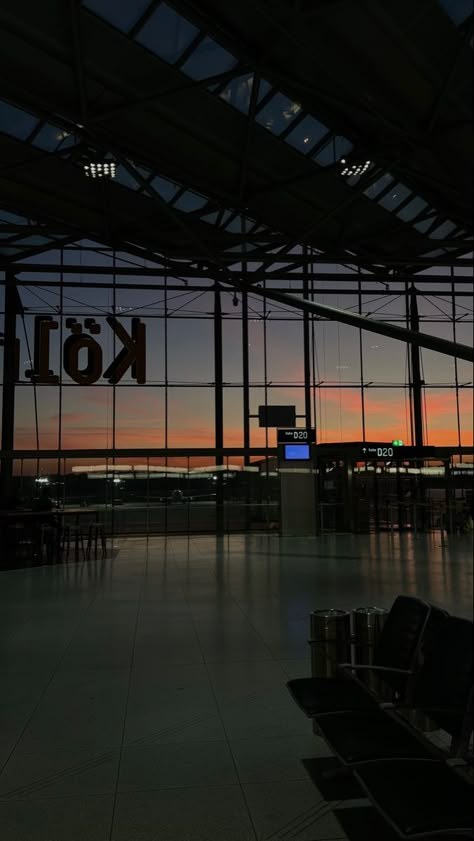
143, 698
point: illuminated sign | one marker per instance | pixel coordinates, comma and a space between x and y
393, 452
288, 436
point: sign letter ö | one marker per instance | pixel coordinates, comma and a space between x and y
72, 346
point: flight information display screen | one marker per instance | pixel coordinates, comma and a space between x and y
297, 452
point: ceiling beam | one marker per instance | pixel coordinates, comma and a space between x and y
402, 334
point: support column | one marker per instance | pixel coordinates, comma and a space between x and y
416, 371
10, 373
245, 374
306, 359
218, 409
419, 512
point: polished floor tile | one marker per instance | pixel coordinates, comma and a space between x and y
291, 809
275, 759
218, 813
58, 772
173, 764
64, 818
144, 699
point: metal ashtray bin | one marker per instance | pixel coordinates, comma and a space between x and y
330, 641
367, 626
368, 623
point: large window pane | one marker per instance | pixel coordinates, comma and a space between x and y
338, 414
190, 350
87, 417
139, 417
285, 351
191, 417
387, 414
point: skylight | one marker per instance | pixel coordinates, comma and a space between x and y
15, 121
238, 92
395, 196
126, 179
13, 218
334, 150
167, 34
412, 209
165, 188
278, 113
51, 138
458, 10
190, 201
424, 224
443, 230
378, 187
123, 14
306, 134
208, 59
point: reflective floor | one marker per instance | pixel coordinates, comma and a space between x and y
143, 697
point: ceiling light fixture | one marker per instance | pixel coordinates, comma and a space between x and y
100, 169
354, 169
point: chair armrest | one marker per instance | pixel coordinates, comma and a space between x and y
360, 667
427, 710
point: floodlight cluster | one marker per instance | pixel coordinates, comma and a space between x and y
355, 169
100, 169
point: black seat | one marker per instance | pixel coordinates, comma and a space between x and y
317, 695
358, 736
419, 797
442, 691
399, 649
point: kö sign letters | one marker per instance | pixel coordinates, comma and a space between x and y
82, 354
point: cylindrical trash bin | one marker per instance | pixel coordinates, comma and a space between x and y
330, 641
367, 625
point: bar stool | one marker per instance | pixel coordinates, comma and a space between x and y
72, 534
96, 533
49, 539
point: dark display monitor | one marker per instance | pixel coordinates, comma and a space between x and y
297, 452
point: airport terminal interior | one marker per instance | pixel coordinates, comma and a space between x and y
236, 396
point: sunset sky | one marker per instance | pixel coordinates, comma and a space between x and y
140, 410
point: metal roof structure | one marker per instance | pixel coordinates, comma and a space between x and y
240, 132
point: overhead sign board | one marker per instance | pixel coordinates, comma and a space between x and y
392, 452
276, 416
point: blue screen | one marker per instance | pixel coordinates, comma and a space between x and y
297, 452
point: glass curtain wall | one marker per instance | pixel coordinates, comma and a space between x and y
178, 446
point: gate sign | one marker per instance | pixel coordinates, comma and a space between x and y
392, 452
292, 436
132, 354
